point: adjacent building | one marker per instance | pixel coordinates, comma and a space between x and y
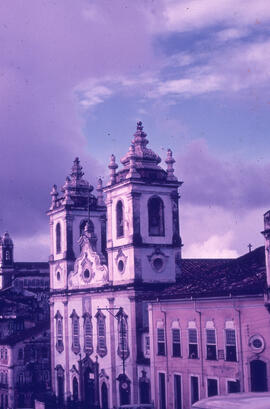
210, 332
24, 329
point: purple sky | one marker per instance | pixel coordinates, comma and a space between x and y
75, 76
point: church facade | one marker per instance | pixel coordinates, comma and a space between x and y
108, 259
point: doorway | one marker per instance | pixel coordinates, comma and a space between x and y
104, 396
258, 376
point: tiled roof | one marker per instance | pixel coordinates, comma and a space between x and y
189, 266
31, 265
26, 333
202, 278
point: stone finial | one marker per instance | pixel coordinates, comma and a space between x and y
66, 189
112, 166
140, 136
132, 169
6, 240
99, 190
76, 170
54, 195
170, 161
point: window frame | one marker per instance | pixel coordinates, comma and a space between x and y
230, 345
161, 351
174, 390
210, 344
190, 389
88, 319
193, 343
161, 225
101, 319
59, 334
174, 354
58, 238
212, 378
119, 211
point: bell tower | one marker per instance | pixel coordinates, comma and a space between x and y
6, 260
69, 213
143, 239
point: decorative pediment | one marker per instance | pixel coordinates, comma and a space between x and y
74, 370
103, 375
121, 261
88, 269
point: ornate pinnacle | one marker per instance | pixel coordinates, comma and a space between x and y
100, 193
112, 166
170, 161
54, 195
140, 136
76, 170
66, 188
131, 154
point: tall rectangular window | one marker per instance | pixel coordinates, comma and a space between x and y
176, 344
162, 391
147, 345
88, 334
59, 332
192, 343
161, 341
177, 392
75, 332
101, 334
194, 389
211, 348
212, 387
230, 345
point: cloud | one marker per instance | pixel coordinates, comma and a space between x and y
232, 33
47, 50
190, 15
229, 183
94, 95
216, 246
214, 231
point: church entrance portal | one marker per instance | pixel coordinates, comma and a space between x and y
104, 396
89, 370
258, 375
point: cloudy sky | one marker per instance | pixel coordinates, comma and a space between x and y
75, 76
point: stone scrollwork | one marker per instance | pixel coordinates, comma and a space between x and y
158, 260
121, 261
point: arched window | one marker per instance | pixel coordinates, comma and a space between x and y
59, 332
119, 219
82, 226
58, 238
88, 334
75, 332
155, 216
101, 334
123, 350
